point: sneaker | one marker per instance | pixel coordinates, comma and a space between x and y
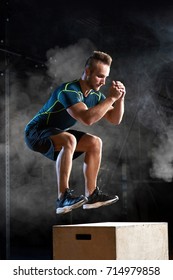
68, 202
98, 199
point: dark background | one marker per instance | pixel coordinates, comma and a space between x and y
43, 43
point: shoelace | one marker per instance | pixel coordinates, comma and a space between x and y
100, 192
69, 193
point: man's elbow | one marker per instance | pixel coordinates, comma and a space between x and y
116, 122
88, 122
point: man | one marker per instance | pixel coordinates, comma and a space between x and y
48, 132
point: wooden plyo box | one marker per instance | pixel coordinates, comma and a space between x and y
111, 241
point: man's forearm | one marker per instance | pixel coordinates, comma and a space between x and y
115, 115
94, 114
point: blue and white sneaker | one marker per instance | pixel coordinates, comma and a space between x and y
98, 199
68, 202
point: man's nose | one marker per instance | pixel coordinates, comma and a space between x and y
103, 81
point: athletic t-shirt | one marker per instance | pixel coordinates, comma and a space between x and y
54, 113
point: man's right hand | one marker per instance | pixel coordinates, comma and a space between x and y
117, 90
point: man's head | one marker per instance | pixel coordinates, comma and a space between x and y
97, 69
96, 57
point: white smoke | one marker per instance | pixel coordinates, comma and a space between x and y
163, 157
155, 92
66, 64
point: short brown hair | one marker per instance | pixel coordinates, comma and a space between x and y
98, 56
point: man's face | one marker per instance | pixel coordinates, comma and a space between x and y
97, 76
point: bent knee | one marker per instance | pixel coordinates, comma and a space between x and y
95, 143
65, 140
70, 141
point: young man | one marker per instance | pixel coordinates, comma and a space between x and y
49, 131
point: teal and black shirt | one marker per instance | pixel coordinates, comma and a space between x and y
54, 113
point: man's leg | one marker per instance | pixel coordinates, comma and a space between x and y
92, 146
66, 144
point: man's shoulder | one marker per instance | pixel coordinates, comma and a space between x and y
71, 86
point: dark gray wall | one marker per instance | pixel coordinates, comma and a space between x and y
44, 43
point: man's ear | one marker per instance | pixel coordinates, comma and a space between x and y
87, 71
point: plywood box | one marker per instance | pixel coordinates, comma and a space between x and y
113, 241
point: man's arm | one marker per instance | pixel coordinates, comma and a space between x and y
112, 108
116, 112
88, 116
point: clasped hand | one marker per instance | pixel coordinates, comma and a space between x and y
117, 90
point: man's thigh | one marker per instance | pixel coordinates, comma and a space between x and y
86, 142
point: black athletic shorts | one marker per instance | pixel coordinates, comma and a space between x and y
39, 140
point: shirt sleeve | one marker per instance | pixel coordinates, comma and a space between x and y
102, 97
69, 98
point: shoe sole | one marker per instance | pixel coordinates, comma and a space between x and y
100, 204
67, 209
